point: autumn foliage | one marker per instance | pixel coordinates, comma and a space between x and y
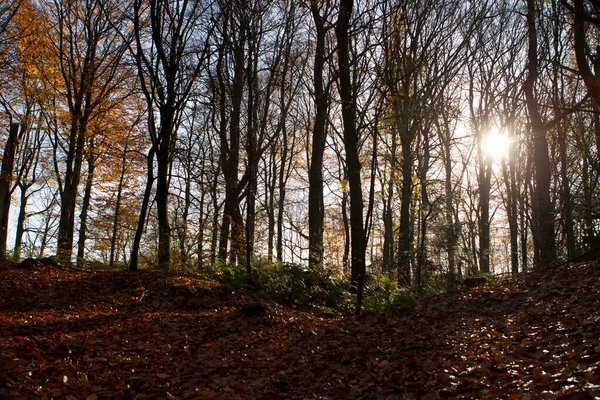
67, 333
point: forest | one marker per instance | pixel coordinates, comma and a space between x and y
240, 199
420, 142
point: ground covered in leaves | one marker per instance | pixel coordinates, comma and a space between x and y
74, 334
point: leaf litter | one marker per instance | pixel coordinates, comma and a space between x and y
67, 333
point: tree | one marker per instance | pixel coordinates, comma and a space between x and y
351, 143
170, 50
585, 13
316, 207
234, 29
88, 54
545, 248
6, 178
8, 9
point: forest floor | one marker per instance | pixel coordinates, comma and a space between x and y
73, 334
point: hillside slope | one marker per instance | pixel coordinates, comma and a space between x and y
93, 335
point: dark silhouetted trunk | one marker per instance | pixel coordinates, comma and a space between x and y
351, 143
85, 206
134, 260
316, 208
566, 200
543, 215
406, 229
118, 200
163, 160
66, 224
6, 176
230, 151
581, 47
510, 181
485, 176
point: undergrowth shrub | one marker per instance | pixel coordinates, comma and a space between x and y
295, 284
382, 293
288, 283
233, 275
100, 266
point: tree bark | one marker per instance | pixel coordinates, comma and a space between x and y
351, 142
316, 207
388, 213
6, 176
182, 232
543, 233
271, 184
214, 196
591, 81
85, 206
485, 176
66, 224
23, 188
449, 210
163, 160
404, 241
118, 200
425, 211
134, 259
566, 198
230, 152
510, 182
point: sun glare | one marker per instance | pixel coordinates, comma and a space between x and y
496, 143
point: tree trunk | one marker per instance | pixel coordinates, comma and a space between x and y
485, 176
346, 222
316, 207
524, 216
282, 180
388, 213
21, 221
404, 241
512, 215
66, 224
588, 198
133, 261
215, 219
566, 199
163, 161
85, 207
581, 45
270, 201
201, 227
230, 152
252, 151
6, 175
45, 234
450, 232
543, 233
187, 201
351, 142
426, 211
115, 221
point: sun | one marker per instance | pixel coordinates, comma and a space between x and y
496, 143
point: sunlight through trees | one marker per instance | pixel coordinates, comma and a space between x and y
425, 141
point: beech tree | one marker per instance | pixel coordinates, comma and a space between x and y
6, 180
351, 143
19, 101
316, 207
170, 49
88, 52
